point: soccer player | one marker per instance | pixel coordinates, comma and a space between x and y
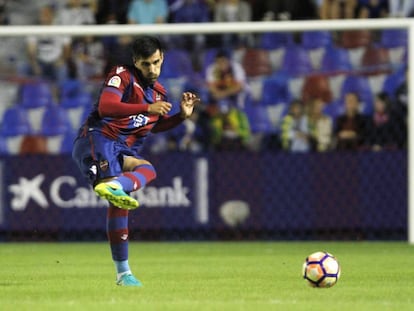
131, 105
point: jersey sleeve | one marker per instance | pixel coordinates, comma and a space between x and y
110, 102
166, 123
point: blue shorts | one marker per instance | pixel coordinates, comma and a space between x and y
99, 157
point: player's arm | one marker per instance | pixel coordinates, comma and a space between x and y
110, 105
165, 123
110, 102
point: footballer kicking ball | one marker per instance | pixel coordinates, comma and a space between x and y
321, 269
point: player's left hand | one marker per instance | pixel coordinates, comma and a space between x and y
188, 101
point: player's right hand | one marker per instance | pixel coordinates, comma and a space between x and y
159, 108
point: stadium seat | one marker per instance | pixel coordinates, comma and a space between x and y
275, 40
275, 90
207, 58
72, 94
33, 144
15, 122
316, 39
177, 63
35, 95
66, 144
334, 109
55, 121
376, 60
258, 117
393, 81
70, 88
296, 61
316, 86
335, 60
394, 38
351, 39
256, 62
3, 146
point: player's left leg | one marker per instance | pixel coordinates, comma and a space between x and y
117, 231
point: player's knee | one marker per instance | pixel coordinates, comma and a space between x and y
131, 163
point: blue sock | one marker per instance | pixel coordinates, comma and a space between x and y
122, 266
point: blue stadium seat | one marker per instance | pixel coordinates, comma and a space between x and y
393, 38
207, 58
275, 40
334, 109
275, 90
3, 146
335, 60
177, 63
296, 61
393, 81
70, 88
67, 142
258, 117
35, 95
15, 122
316, 39
55, 121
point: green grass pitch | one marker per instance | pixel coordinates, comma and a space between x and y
205, 276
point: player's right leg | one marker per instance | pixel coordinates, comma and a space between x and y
114, 193
136, 174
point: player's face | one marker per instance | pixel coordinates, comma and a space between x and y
150, 67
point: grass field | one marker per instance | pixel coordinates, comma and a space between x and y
204, 276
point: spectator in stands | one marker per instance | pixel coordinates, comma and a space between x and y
11, 47
147, 12
338, 9
400, 110
112, 11
289, 10
191, 134
351, 126
234, 11
226, 82
295, 129
190, 11
401, 8
49, 56
230, 130
89, 56
4, 14
117, 51
320, 126
77, 12
373, 8
383, 127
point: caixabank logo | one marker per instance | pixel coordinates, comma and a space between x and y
65, 192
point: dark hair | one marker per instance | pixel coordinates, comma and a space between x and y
145, 46
223, 53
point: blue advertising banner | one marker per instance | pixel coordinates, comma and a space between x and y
271, 192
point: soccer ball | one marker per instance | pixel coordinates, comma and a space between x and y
321, 269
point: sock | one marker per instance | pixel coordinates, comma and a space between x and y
117, 232
122, 267
138, 178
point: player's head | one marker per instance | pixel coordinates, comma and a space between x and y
147, 55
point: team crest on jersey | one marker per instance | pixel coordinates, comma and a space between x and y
157, 96
114, 81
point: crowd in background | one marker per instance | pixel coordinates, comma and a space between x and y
223, 121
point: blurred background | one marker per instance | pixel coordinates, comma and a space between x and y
299, 135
